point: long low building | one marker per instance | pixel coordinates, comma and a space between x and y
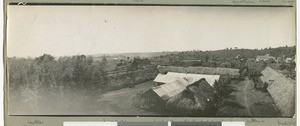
164, 78
282, 90
234, 73
169, 90
191, 78
269, 75
211, 79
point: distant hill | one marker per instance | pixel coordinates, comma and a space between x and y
219, 55
228, 54
134, 54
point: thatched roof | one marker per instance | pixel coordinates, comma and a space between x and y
200, 70
197, 98
149, 99
269, 75
283, 93
282, 90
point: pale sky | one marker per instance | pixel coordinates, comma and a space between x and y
71, 30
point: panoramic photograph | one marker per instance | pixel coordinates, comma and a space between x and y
162, 61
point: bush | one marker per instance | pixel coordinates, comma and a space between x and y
225, 65
223, 87
223, 95
282, 67
76, 73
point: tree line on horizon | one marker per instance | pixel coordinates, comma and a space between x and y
217, 57
231, 54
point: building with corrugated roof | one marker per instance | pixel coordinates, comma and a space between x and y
169, 90
173, 76
159, 95
211, 79
164, 78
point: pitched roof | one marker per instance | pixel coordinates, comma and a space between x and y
169, 90
200, 70
269, 75
282, 90
194, 99
164, 78
195, 77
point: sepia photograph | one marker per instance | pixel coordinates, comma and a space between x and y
151, 61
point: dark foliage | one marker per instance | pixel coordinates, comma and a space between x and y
232, 104
254, 76
223, 87
46, 74
223, 94
139, 63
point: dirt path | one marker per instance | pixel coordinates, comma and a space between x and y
255, 103
246, 92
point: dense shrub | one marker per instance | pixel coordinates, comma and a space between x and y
282, 67
225, 65
223, 87
223, 94
45, 73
